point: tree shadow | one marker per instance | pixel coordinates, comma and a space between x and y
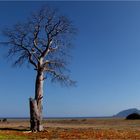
15, 129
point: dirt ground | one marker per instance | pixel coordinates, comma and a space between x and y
73, 129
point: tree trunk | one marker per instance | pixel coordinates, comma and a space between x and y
34, 116
36, 104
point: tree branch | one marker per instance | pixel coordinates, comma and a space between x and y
43, 40
61, 78
36, 32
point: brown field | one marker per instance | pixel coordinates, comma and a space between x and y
73, 129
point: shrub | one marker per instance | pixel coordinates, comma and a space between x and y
83, 120
4, 120
133, 116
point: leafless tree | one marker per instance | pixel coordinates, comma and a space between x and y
43, 41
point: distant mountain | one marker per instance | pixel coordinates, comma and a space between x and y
127, 112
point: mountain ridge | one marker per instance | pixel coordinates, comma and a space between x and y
125, 113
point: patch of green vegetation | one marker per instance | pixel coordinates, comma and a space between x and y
12, 137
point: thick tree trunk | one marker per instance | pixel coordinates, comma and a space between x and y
34, 116
39, 97
36, 104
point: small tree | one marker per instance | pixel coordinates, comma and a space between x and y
43, 41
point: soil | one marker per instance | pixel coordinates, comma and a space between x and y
74, 129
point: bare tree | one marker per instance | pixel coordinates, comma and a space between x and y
43, 41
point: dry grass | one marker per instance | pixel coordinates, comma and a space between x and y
74, 129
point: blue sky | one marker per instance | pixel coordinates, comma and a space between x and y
105, 62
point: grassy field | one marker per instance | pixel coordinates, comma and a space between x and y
74, 129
